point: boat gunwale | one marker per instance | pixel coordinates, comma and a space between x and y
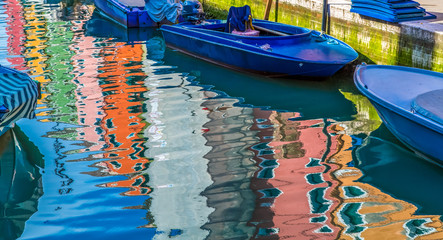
108, 17
372, 95
262, 52
255, 37
311, 31
125, 9
307, 33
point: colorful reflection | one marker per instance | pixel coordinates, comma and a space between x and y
196, 162
34, 46
230, 166
16, 34
293, 191
308, 186
179, 171
122, 83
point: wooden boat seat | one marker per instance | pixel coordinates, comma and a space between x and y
133, 3
248, 32
430, 105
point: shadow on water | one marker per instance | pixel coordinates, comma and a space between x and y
20, 182
391, 167
313, 99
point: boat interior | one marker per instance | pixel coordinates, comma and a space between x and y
281, 39
393, 91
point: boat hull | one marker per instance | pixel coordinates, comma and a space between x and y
393, 95
126, 16
424, 141
234, 54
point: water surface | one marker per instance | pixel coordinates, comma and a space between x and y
135, 140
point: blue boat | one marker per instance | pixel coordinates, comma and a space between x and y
140, 14
409, 101
18, 97
99, 26
261, 46
129, 13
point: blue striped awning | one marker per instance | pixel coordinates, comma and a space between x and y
18, 93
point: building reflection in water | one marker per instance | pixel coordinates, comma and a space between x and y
293, 191
122, 83
88, 93
178, 172
301, 180
16, 34
231, 168
307, 186
205, 165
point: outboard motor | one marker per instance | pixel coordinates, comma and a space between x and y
193, 11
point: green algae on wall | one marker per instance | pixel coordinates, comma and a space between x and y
367, 119
437, 56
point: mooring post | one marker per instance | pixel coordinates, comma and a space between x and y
325, 16
276, 10
268, 9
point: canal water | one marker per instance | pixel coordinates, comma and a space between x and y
134, 140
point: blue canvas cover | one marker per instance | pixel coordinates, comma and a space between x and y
391, 10
18, 93
405, 4
238, 18
430, 105
159, 10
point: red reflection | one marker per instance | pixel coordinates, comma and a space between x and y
292, 192
16, 34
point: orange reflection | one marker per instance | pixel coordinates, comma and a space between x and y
137, 185
123, 88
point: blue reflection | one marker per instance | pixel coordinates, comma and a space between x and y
389, 166
20, 182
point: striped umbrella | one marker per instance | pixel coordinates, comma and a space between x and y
18, 96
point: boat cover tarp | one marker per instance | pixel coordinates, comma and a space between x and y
405, 4
159, 10
133, 3
18, 93
237, 18
391, 11
430, 105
